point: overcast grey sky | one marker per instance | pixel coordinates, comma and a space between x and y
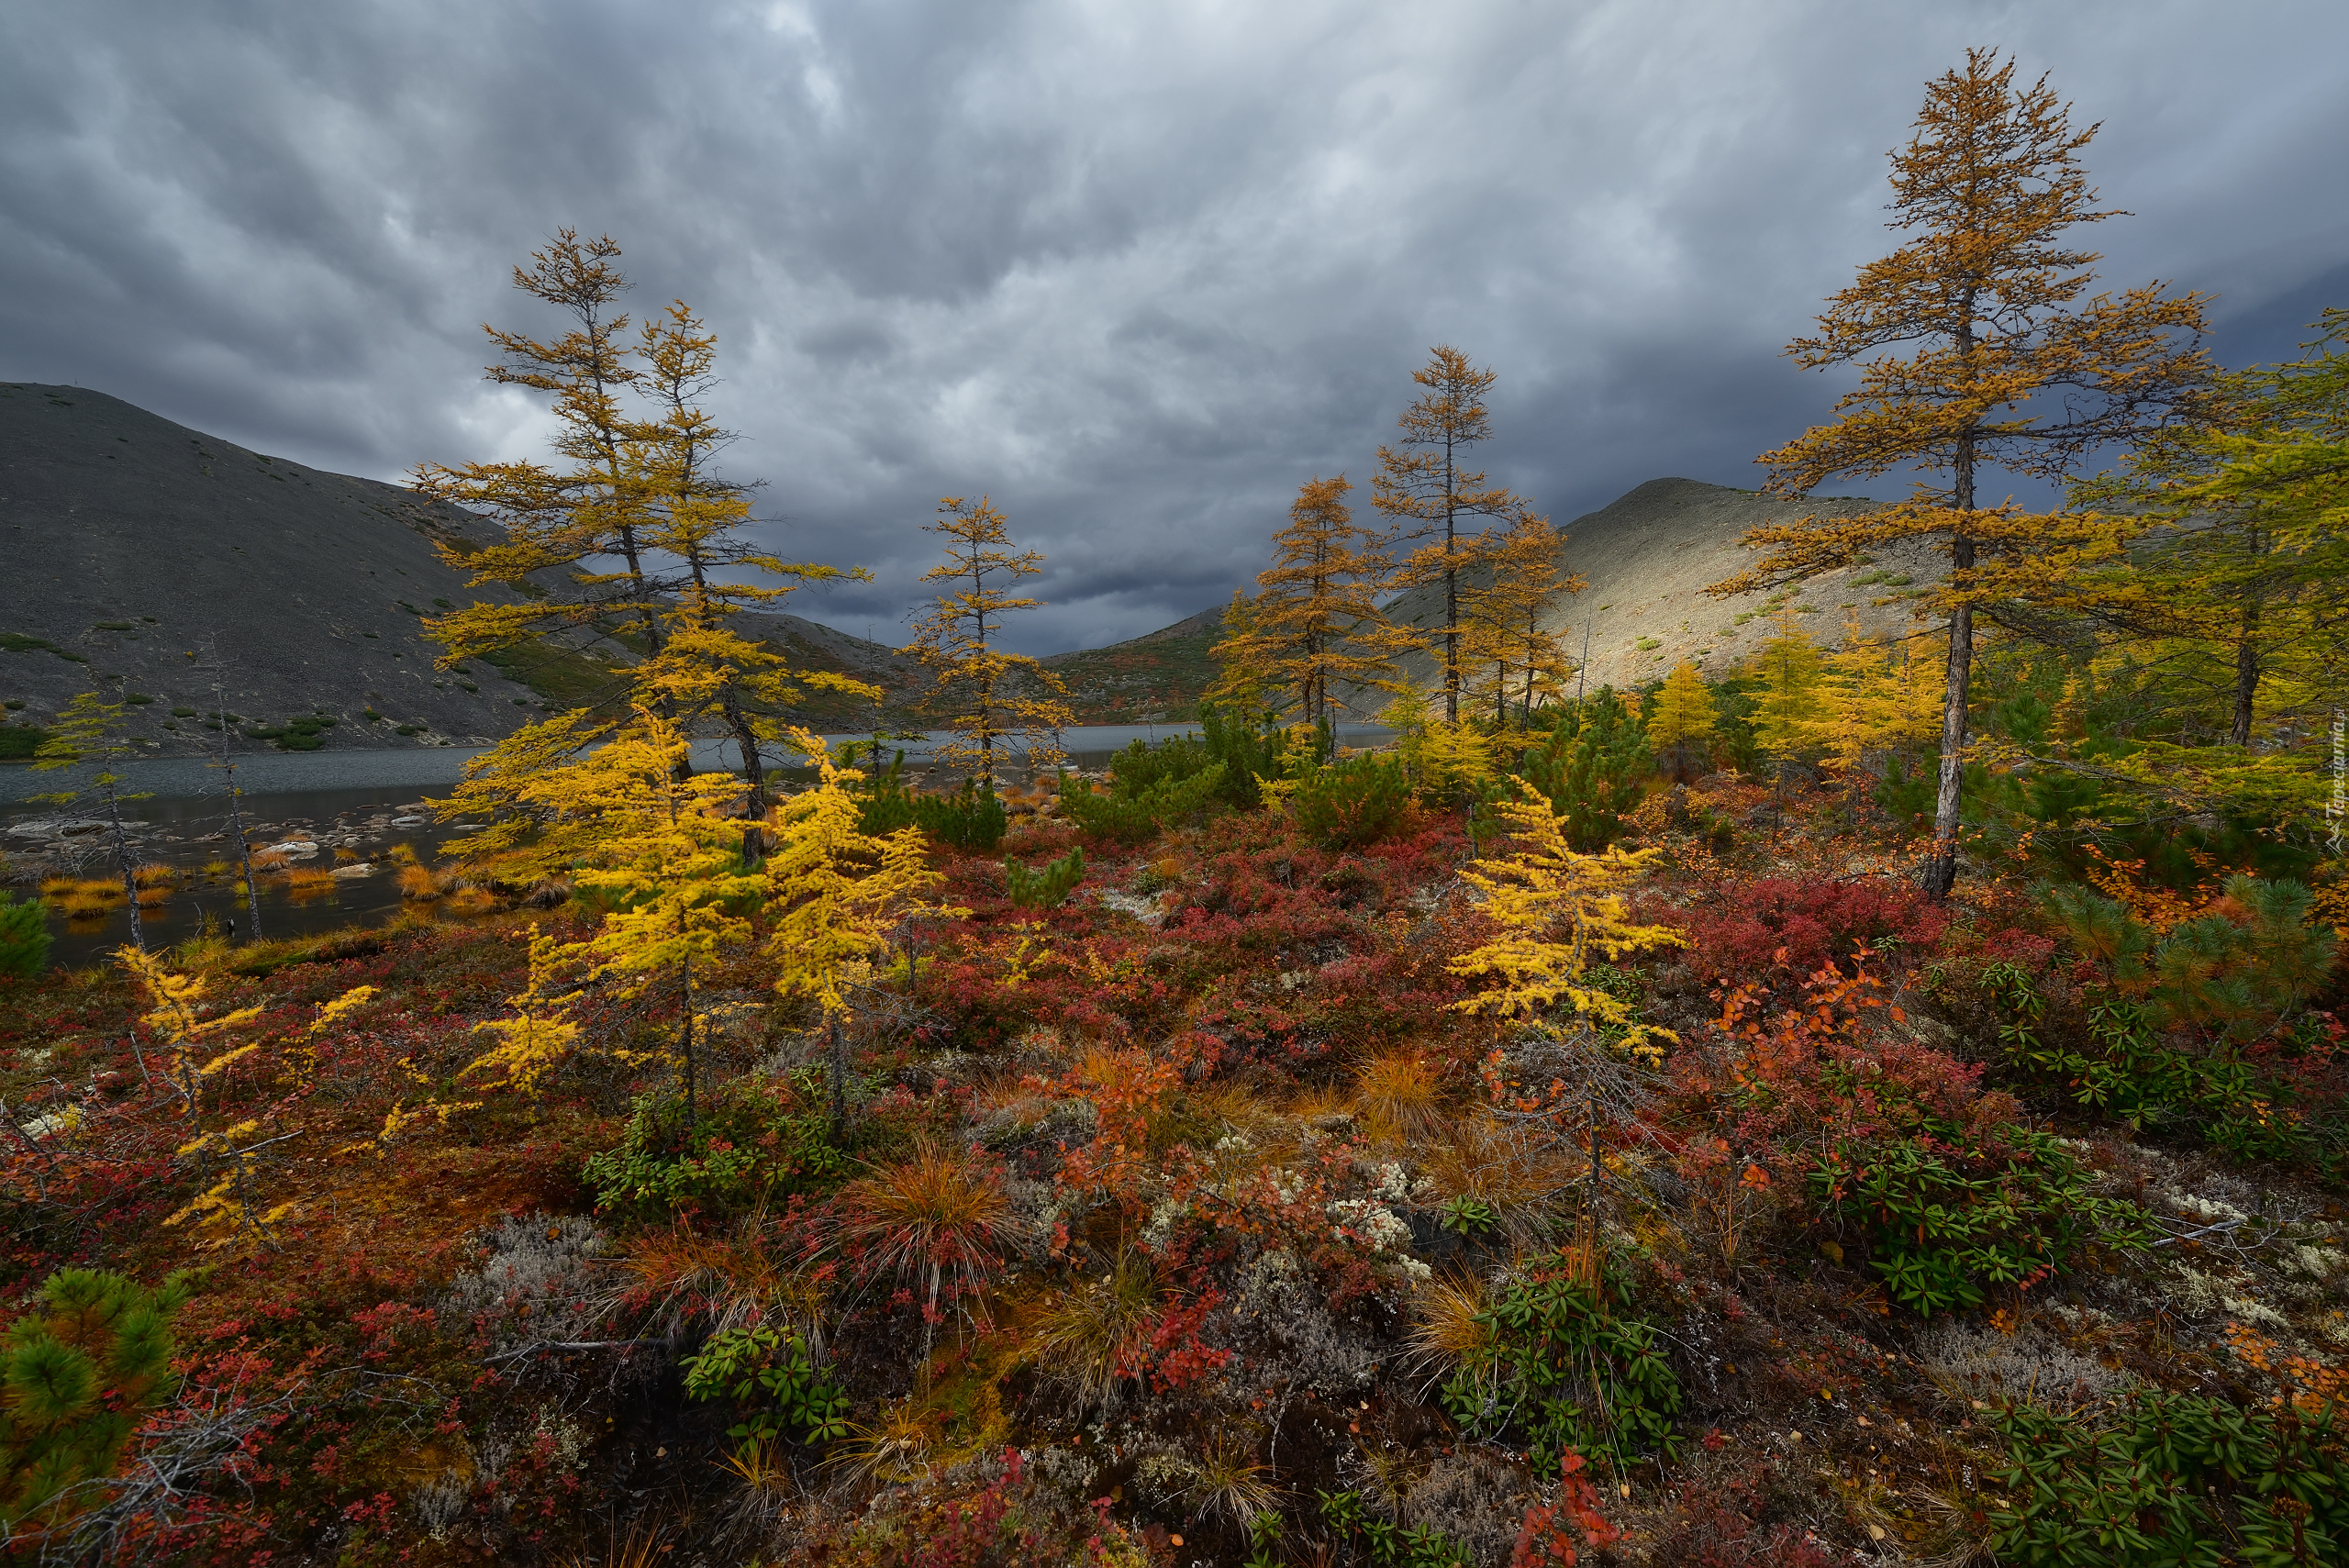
1134, 270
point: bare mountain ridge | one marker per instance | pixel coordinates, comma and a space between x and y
1649, 556
129, 543
134, 547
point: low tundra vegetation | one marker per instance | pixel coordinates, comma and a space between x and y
1655, 1176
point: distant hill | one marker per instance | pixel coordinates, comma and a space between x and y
135, 547
1648, 557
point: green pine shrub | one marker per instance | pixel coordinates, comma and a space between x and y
81, 1370
1047, 888
1140, 802
969, 819
24, 936
1591, 765
1354, 802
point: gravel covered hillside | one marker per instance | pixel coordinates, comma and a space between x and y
134, 545
1649, 557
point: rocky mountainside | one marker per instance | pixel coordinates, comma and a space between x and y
142, 555
138, 549
1648, 557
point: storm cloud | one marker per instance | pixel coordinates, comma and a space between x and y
1134, 271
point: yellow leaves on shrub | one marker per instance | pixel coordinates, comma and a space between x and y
1561, 911
540, 1034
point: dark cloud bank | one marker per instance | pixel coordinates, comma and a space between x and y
1135, 270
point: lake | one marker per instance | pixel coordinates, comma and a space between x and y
355, 807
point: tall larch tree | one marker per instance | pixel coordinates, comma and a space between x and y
1423, 484
588, 507
2232, 534
1315, 622
90, 732
670, 863
2008, 366
982, 692
1512, 658
698, 522
1682, 720
1788, 709
637, 488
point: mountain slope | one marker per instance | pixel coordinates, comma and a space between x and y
136, 546
1648, 557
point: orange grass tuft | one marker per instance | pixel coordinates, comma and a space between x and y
1399, 1098
941, 1215
310, 882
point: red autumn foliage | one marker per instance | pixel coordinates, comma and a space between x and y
1780, 929
1549, 1533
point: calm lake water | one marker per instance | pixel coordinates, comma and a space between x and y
353, 807
350, 828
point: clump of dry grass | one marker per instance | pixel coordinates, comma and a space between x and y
942, 1216
154, 874
1449, 1333
310, 882
1518, 1171
1094, 1331
1321, 1106
472, 901
419, 881
1230, 1484
642, 1546
1399, 1098
894, 1450
84, 898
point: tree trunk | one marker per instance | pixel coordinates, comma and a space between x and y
2246, 676
1450, 598
685, 985
1941, 875
839, 1080
754, 774
130, 877
244, 851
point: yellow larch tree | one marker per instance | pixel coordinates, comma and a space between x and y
2231, 561
1560, 911
1873, 698
635, 487
1787, 710
2011, 368
1512, 658
834, 896
979, 690
1240, 689
667, 859
1423, 485
589, 505
699, 523
1682, 720
541, 1033
1315, 621
90, 732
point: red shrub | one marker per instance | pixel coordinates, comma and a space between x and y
1722, 1527
1779, 930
